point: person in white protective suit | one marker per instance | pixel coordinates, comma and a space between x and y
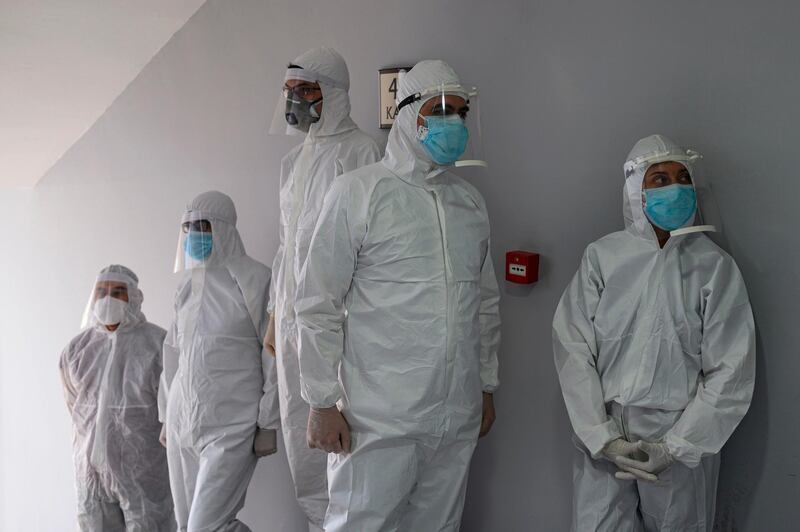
398, 320
219, 400
315, 102
655, 350
110, 374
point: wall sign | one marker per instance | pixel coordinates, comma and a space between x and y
388, 84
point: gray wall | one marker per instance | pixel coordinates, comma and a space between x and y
566, 87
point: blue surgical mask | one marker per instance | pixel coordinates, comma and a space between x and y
446, 138
670, 207
198, 245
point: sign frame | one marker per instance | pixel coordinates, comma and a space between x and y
387, 95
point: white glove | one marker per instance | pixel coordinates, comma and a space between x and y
266, 442
658, 459
618, 447
621, 449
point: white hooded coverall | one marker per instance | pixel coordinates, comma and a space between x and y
333, 145
658, 345
399, 324
111, 386
218, 381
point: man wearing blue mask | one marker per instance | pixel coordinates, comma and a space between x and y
398, 320
218, 395
199, 239
654, 346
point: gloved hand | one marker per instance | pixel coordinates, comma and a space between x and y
269, 338
328, 430
266, 442
618, 449
658, 459
488, 417
163, 436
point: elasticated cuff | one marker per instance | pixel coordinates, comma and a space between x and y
596, 438
683, 451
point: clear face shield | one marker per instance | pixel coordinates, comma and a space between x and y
109, 300
675, 197
195, 241
448, 125
299, 105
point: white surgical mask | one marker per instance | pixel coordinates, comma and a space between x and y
110, 310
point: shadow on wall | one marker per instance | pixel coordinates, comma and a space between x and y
743, 456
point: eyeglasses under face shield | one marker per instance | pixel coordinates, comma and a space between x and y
448, 124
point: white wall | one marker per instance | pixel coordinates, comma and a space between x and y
567, 88
63, 63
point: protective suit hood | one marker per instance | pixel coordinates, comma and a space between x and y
335, 84
219, 209
645, 153
405, 156
133, 312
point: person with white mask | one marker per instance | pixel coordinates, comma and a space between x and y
398, 319
654, 346
110, 373
314, 103
219, 391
